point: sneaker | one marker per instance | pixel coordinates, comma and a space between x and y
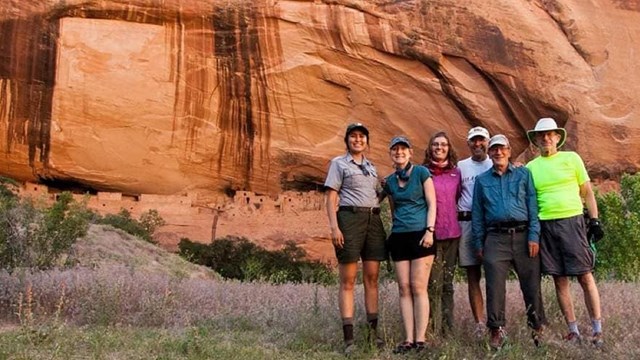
572, 337
597, 340
403, 348
536, 335
479, 331
497, 338
420, 346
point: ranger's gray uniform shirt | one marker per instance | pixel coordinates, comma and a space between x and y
356, 184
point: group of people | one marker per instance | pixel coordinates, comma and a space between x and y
483, 212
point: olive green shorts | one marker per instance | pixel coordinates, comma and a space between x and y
364, 237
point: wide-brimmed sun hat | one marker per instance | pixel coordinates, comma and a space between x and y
547, 124
399, 140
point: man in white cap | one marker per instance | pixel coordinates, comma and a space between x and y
506, 233
562, 184
476, 164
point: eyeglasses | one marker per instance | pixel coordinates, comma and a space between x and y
500, 148
437, 144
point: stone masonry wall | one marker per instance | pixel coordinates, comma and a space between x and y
270, 222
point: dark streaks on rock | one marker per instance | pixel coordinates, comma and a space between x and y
375, 32
174, 36
243, 112
124, 12
193, 99
28, 50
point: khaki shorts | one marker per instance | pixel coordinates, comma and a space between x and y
364, 237
466, 253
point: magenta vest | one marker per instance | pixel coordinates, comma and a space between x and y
448, 188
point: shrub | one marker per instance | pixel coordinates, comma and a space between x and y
5, 187
238, 258
36, 236
143, 228
617, 253
151, 221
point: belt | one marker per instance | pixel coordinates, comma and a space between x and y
358, 209
509, 227
464, 215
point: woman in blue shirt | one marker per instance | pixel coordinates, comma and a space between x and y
413, 203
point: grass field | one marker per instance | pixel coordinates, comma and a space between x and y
126, 309
114, 313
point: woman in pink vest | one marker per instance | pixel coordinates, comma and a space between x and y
442, 160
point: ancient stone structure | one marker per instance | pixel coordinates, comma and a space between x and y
291, 216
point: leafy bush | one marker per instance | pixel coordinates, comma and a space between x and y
143, 228
617, 253
5, 184
36, 236
151, 221
238, 258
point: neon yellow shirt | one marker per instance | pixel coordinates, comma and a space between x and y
557, 179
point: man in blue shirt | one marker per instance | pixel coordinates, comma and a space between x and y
506, 232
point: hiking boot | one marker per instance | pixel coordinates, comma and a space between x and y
536, 335
597, 340
403, 348
572, 337
497, 338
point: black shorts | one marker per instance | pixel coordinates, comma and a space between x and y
406, 246
564, 248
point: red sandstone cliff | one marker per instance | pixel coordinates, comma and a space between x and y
172, 96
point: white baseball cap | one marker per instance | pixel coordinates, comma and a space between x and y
498, 140
478, 131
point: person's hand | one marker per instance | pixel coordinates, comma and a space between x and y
337, 238
534, 248
427, 240
595, 232
383, 181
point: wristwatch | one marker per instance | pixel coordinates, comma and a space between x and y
431, 229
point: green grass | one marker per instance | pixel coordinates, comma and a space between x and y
105, 310
118, 342
231, 320
214, 342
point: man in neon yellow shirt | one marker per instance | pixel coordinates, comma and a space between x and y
562, 183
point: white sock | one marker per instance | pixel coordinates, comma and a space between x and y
573, 327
